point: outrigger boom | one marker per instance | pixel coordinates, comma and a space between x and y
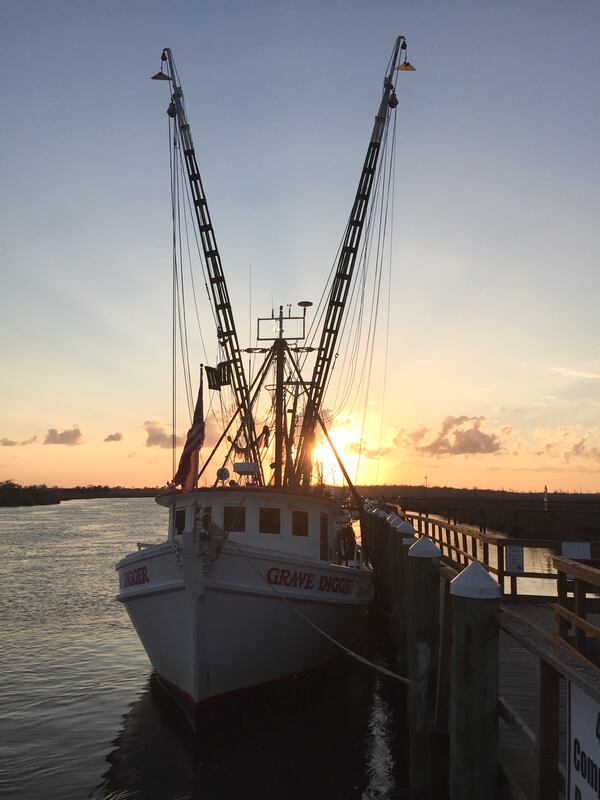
292, 455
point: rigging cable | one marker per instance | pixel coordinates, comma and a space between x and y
375, 305
356, 656
223, 412
357, 298
389, 298
181, 309
174, 312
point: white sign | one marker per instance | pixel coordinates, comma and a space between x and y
584, 746
514, 558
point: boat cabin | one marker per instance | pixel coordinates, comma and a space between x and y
298, 523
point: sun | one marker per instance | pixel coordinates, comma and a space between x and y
345, 441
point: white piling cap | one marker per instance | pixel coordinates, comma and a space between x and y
381, 513
409, 540
475, 581
391, 518
405, 527
424, 548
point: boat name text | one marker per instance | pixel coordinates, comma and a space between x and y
133, 577
306, 580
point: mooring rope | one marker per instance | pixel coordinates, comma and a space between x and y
351, 653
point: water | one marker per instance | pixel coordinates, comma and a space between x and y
81, 715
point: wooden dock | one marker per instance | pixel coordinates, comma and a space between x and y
509, 659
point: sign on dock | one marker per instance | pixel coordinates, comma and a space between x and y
514, 558
583, 773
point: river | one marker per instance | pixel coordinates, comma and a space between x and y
81, 715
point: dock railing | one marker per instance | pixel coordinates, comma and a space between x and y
503, 557
581, 579
469, 667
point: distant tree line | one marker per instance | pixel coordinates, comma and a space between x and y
13, 494
441, 496
540, 515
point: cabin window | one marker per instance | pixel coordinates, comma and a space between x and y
269, 520
324, 549
234, 518
180, 520
300, 523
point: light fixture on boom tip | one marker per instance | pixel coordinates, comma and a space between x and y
160, 76
405, 66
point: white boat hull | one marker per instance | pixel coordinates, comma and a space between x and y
251, 619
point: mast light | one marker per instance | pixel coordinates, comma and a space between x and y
405, 65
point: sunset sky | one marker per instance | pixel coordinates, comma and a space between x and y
493, 371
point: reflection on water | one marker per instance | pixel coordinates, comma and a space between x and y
81, 717
329, 734
535, 560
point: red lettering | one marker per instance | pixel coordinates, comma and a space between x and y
285, 575
134, 577
328, 583
273, 576
292, 579
303, 578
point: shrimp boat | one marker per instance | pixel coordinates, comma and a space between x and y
260, 576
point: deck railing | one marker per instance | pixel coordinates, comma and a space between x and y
462, 544
559, 659
581, 579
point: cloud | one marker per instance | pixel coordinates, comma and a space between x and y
455, 439
565, 443
583, 449
365, 451
377, 452
416, 435
576, 373
11, 442
157, 436
69, 437
114, 437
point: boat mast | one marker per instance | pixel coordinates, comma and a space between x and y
279, 349
226, 330
343, 276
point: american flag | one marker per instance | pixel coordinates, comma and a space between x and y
187, 472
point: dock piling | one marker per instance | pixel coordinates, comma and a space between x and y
473, 720
423, 602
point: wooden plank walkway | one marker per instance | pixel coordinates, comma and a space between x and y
537, 653
518, 678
